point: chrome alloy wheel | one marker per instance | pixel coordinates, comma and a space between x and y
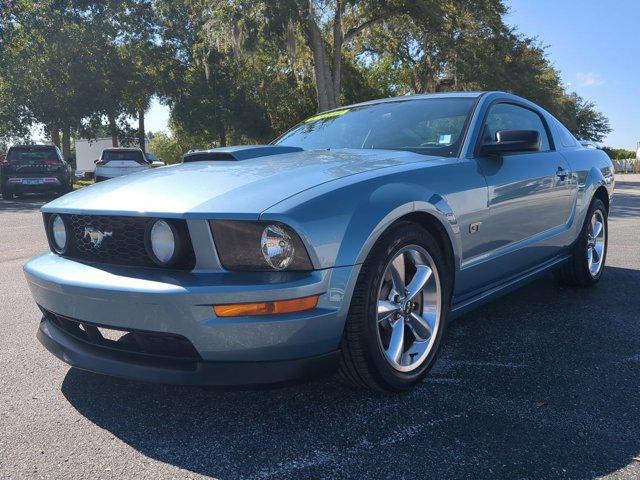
409, 308
596, 238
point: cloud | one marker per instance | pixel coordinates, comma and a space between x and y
589, 79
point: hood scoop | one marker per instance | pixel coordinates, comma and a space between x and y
244, 152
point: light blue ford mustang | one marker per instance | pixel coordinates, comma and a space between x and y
346, 244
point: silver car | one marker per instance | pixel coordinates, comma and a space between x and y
119, 161
347, 244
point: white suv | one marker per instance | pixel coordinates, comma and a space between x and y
116, 162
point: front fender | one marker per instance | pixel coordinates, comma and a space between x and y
341, 223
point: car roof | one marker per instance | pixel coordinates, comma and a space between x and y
419, 96
32, 146
122, 149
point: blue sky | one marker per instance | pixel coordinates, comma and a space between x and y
596, 46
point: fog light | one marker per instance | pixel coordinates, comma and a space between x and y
58, 233
162, 239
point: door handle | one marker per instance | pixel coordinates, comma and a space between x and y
561, 173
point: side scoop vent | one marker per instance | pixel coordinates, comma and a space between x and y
237, 153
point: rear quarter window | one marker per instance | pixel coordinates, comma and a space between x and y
566, 138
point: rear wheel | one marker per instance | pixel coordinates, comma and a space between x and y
398, 312
587, 263
67, 189
6, 195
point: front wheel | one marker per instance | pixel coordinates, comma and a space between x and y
398, 311
587, 263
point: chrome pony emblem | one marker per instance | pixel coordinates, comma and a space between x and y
96, 236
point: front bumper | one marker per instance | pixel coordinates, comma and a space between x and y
120, 364
240, 350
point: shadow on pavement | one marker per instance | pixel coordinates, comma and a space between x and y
626, 202
542, 383
25, 203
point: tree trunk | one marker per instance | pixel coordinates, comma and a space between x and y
327, 98
113, 130
66, 142
338, 39
328, 71
141, 132
55, 137
223, 136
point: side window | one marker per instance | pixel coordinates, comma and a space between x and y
506, 116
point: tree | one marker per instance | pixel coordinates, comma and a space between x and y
327, 27
245, 70
167, 148
171, 148
619, 153
143, 57
15, 120
50, 70
217, 88
585, 122
468, 47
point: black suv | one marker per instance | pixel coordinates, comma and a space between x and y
34, 168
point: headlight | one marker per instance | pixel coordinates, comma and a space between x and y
162, 242
277, 247
259, 246
58, 233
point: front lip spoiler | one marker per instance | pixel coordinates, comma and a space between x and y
229, 374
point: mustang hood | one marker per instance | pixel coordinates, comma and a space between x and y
235, 189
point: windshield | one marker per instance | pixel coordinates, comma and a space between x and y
431, 126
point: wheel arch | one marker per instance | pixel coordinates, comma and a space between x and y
431, 224
435, 215
603, 194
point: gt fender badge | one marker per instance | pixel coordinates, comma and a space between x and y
474, 227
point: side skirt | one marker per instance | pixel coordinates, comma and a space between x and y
485, 296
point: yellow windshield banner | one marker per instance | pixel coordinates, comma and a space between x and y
335, 113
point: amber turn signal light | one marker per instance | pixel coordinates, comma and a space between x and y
266, 308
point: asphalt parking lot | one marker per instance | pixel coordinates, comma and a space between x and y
543, 383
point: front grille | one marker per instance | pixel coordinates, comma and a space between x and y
136, 342
121, 240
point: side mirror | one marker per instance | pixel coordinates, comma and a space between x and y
95, 162
511, 141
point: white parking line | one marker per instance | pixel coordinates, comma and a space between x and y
320, 457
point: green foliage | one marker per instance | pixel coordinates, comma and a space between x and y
244, 71
171, 148
584, 121
619, 153
166, 148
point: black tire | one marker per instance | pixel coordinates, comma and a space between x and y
67, 189
363, 361
575, 272
6, 195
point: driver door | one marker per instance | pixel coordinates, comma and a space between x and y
530, 196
